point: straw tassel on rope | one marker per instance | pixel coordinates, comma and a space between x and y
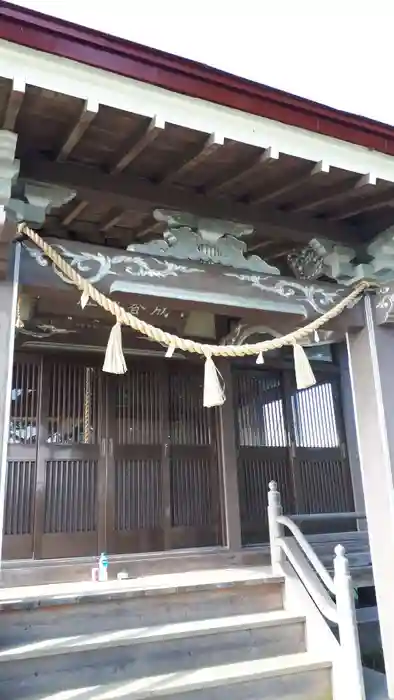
84, 299
170, 350
260, 358
214, 394
303, 370
114, 362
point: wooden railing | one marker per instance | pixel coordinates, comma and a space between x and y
333, 595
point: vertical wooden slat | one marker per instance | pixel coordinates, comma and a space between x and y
138, 495
18, 518
24, 403
70, 496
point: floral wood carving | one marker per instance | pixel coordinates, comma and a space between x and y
318, 297
45, 330
205, 241
137, 274
96, 266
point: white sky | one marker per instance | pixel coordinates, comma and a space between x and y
337, 52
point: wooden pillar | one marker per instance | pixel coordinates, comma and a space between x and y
351, 434
8, 311
232, 520
371, 364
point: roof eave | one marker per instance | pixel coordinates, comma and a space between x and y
83, 45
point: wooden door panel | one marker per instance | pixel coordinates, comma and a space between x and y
256, 468
22, 458
193, 461
195, 514
138, 508
320, 460
136, 426
19, 509
263, 449
96, 462
162, 476
296, 438
70, 459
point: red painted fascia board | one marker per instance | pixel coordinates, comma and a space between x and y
65, 39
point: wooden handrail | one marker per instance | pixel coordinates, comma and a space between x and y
310, 554
317, 582
297, 517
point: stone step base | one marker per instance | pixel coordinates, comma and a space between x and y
38, 572
41, 572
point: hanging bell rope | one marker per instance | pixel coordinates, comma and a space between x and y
114, 359
86, 408
18, 322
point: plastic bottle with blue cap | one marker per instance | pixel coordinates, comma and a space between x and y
103, 567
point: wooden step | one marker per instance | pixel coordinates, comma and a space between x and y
166, 648
31, 615
293, 677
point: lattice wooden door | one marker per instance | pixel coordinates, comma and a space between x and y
19, 517
56, 464
263, 448
71, 461
319, 456
296, 438
162, 467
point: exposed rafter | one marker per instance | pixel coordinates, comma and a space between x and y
110, 219
270, 154
74, 213
137, 144
280, 253
196, 155
85, 118
14, 104
365, 183
149, 225
130, 192
382, 200
258, 246
287, 186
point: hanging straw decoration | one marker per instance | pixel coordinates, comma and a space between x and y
260, 358
214, 394
170, 351
84, 299
114, 361
303, 370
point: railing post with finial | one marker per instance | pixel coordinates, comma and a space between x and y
275, 529
347, 624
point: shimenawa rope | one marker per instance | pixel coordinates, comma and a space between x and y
114, 361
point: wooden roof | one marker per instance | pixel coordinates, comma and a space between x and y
123, 166
87, 46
